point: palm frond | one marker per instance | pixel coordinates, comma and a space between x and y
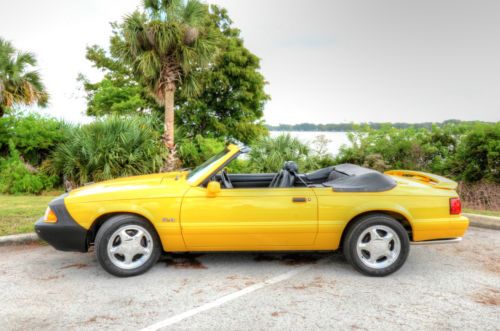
19, 83
168, 42
173, 10
194, 13
191, 85
108, 148
24, 59
149, 64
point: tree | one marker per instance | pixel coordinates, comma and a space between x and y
232, 98
19, 83
164, 45
231, 95
120, 91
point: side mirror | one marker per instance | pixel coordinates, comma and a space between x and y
213, 189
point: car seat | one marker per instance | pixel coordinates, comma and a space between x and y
286, 176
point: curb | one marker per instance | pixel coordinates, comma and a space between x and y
19, 239
483, 221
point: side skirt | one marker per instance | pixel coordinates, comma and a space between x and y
437, 241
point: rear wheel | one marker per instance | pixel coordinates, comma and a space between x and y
127, 245
376, 245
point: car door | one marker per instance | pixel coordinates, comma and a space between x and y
249, 218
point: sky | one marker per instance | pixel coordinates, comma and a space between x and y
325, 61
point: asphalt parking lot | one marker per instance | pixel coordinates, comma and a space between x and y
440, 286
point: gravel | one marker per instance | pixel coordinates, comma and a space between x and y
441, 286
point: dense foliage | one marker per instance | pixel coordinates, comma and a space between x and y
44, 150
33, 135
464, 152
118, 95
230, 99
194, 151
108, 148
17, 178
477, 156
269, 154
20, 83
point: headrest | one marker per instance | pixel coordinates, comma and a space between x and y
291, 167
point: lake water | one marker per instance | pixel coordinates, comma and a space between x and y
335, 139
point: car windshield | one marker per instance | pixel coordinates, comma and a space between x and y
197, 172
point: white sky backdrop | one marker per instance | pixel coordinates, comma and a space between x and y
325, 61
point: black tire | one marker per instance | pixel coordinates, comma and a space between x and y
356, 230
104, 236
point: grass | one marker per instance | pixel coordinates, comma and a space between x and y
482, 212
19, 213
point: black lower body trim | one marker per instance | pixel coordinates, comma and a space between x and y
62, 237
65, 234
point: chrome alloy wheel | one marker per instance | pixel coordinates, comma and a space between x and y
130, 247
378, 246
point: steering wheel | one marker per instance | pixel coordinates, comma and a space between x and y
225, 179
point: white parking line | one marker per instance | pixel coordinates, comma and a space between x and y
227, 298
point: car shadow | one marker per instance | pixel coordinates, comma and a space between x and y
206, 260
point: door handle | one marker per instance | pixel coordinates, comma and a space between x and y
298, 199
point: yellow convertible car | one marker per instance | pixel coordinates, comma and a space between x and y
371, 217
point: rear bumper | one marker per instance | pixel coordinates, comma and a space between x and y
439, 228
65, 234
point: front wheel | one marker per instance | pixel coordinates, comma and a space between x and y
376, 245
127, 245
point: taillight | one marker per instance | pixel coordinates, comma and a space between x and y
50, 216
455, 206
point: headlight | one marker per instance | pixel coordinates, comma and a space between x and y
50, 216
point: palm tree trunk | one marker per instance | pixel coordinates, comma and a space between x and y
168, 135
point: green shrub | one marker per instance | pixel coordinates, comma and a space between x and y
389, 147
478, 155
469, 152
399, 148
195, 151
269, 154
33, 135
15, 178
108, 148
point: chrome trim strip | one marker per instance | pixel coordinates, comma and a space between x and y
437, 241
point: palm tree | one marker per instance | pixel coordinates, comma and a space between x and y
166, 45
19, 83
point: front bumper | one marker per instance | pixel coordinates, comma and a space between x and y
65, 234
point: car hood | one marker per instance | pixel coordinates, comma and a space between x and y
132, 187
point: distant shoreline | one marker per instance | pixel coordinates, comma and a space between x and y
311, 131
334, 140
346, 127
